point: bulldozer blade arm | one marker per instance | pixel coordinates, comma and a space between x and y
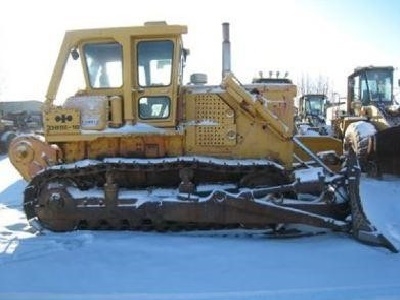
362, 229
308, 147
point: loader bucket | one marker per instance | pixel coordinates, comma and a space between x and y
386, 149
320, 144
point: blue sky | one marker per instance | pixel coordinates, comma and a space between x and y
372, 21
305, 37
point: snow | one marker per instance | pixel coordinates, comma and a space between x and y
128, 129
365, 129
305, 129
312, 174
147, 265
144, 161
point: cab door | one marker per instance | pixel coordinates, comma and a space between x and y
155, 87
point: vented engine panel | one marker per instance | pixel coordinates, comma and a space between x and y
215, 122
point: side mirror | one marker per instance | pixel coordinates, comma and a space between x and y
75, 54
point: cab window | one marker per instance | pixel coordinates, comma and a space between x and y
104, 64
154, 107
155, 63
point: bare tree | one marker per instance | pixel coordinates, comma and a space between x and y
308, 85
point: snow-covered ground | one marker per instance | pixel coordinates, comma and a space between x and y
145, 265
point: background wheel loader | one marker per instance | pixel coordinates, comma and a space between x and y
132, 147
312, 129
311, 115
372, 123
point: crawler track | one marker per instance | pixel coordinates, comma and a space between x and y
121, 195
182, 194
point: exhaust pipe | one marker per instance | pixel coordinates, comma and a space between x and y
226, 50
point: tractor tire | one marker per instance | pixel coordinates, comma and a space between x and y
358, 136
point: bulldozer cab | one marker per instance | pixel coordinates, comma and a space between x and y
370, 86
139, 69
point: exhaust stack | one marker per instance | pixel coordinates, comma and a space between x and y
226, 50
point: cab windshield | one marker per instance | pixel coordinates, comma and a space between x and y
315, 105
377, 86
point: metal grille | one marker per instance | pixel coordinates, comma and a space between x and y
215, 122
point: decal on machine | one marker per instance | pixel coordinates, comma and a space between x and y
64, 121
63, 118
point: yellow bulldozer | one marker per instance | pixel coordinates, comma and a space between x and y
132, 147
371, 126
